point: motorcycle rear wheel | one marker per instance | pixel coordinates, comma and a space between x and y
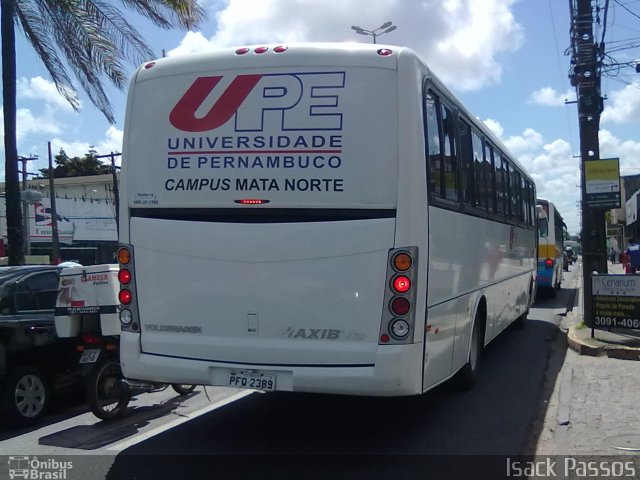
107, 394
183, 389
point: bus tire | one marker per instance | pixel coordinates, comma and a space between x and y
467, 376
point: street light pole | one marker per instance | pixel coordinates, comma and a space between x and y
381, 30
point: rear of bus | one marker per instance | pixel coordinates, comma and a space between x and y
265, 241
550, 253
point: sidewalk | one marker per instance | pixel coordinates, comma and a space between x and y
622, 344
593, 407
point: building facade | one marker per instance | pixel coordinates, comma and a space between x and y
85, 213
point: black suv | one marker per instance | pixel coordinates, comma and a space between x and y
34, 362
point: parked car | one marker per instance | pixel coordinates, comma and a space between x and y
34, 363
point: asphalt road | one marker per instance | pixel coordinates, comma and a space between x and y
226, 433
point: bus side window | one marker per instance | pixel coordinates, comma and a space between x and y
543, 227
501, 189
481, 186
450, 154
525, 200
507, 169
434, 147
467, 152
515, 195
489, 177
532, 203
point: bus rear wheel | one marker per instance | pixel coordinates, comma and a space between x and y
467, 377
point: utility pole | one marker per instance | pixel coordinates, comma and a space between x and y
25, 204
55, 239
585, 77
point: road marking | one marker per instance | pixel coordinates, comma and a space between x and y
178, 421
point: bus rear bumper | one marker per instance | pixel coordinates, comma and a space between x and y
397, 371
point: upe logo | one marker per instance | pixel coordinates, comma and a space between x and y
301, 101
38, 469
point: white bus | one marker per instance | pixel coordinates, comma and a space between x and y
550, 248
318, 218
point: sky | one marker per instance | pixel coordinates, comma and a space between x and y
506, 60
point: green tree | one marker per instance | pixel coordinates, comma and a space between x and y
66, 166
95, 40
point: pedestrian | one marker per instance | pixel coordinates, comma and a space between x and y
633, 251
612, 255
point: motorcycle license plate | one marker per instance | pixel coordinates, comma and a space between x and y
90, 356
253, 381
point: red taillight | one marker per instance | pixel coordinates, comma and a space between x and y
400, 306
124, 276
251, 201
90, 339
401, 284
125, 296
548, 263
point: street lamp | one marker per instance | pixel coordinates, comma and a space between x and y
381, 30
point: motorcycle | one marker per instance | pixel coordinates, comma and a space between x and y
107, 392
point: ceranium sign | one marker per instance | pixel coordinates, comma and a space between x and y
615, 302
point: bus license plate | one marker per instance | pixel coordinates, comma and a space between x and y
90, 356
253, 380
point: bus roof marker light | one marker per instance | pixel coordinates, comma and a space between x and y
280, 49
385, 52
149, 65
242, 51
260, 50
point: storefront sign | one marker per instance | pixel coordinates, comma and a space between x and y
602, 183
615, 302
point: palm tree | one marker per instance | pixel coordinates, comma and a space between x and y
95, 40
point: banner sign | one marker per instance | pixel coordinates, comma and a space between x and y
615, 302
602, 183
79, 220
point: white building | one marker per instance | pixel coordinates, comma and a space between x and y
86, 214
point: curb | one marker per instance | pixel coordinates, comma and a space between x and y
583, 348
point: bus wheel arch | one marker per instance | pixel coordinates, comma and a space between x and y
467, 376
